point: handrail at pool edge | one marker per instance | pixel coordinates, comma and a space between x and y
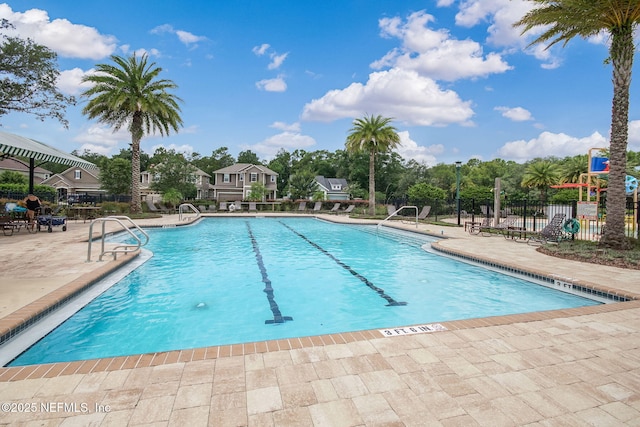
121, 248
396, 212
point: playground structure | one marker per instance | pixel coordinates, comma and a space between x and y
589, 188
585, 222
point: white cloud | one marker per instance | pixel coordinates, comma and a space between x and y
634, 135
550, 144
160, 29
290, 141
185, 37
293, 127
70, 81
434, 53
517, 114
272, 85
184, 148
502, 14
102, 140
60, 35
188, 38
277, 60
409, 149
401, 94
261, 50
142, 51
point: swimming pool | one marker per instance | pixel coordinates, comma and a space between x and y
232, 280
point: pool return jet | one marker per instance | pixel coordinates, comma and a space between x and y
391, 302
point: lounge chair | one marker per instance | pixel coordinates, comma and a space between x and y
317, 207
552, 232
335, 208
424, 213
212, 208
238, 205
165, 209
476, 227
391, 210
349, 209
152, 207
303, 206
9, 225
223, 206
202, 208
501, 228
253, 207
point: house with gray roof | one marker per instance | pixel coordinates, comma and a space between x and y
333, 188
234, 182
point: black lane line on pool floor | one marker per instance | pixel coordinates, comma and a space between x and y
277, 316
366, 281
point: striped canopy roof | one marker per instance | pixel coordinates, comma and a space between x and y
19, 146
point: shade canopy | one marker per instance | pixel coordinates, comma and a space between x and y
18, 146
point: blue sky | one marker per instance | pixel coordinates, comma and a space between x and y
263, 75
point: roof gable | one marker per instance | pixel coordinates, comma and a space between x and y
245, 167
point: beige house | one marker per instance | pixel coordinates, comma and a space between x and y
234, 182
75, 182
202, 182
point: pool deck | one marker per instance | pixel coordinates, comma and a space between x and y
570, 367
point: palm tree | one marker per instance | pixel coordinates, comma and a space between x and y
573, 167
130, 94
541, 175
562, 20
374, 135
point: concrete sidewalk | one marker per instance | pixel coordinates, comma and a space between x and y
569, 367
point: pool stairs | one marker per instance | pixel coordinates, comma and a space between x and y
124, 248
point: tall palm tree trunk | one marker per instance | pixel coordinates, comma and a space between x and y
136, 136
622, 51
372, 183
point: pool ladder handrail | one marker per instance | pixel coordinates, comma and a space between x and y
183, 207
124, 249
396, 212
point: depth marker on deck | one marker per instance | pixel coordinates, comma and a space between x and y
410, 330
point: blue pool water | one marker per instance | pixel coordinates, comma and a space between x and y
233, 280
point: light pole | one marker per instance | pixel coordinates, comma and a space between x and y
458, 166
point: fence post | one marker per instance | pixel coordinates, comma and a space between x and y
473, 210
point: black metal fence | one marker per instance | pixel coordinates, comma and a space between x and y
532, 215
71, 199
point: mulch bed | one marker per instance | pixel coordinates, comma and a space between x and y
593, 258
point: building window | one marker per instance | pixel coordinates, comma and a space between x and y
241, 177
78, 174
336, 187
273, 178
254, 177
226, 178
